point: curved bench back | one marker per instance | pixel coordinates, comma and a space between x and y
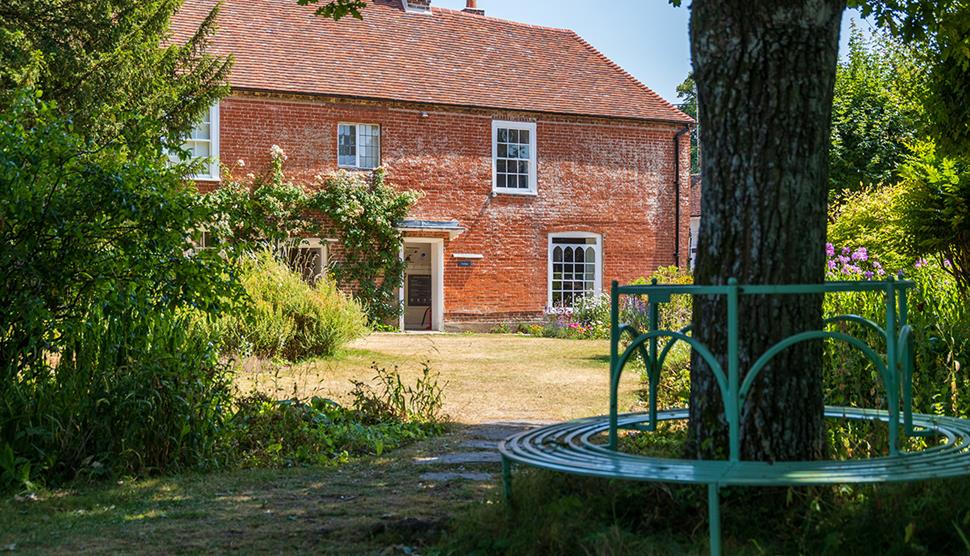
895, 370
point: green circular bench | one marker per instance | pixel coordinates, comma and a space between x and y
589, 446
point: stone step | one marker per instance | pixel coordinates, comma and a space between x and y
442, 476
460, 458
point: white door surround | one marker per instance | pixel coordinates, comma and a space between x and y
437, 246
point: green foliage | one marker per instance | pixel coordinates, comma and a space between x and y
337, 9
104, 64
289, 318
687, 92
393, 400
133, 389
265, 213
320, 431
939, 31
364, 214
873, 219
875, 113
78, 226
285, 433
936, 209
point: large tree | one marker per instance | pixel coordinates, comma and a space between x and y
765, 73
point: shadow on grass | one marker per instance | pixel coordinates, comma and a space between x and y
362, 507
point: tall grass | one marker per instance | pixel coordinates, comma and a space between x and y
290, 318
133, 391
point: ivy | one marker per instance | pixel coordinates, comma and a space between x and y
360, 210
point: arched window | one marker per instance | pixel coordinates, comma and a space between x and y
575, 267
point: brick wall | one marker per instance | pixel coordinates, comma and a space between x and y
614, 178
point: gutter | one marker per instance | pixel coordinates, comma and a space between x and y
677, 137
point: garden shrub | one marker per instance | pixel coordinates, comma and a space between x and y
288, 317
393, 400
941, 323
132, 391
362, 211
872, 218
320, 431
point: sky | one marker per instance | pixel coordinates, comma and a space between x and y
648, 38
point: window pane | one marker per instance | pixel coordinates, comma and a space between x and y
524, 136
500, 181
370, 145
573, 270
500, 166
523, 182
503, 150
503, 135
200, 149
347, 145
202, 130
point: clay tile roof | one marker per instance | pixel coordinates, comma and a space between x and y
448, 57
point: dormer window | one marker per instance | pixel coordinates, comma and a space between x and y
514, 157
417, 6
359, 146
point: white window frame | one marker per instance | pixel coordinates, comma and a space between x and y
213, 162
380, 142
323, 253
534, 155
598, 267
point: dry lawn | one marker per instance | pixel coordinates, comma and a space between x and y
486, 377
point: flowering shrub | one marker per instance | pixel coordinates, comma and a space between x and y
847, 264
269, 212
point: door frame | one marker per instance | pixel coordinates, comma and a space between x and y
437, 282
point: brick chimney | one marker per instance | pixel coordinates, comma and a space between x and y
471, 7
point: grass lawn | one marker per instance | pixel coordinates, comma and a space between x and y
487, 377
363, 507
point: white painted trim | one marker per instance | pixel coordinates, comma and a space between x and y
467, 256
380, 143
598, 276
437, 281
215, 166
452, 233
533, 159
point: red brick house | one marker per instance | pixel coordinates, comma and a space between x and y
547, 171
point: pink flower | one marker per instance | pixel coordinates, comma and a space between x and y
921, 262
829, 249
860, 254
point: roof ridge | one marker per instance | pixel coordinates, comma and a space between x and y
501, 20
625, 73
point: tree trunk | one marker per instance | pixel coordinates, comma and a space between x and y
765, 72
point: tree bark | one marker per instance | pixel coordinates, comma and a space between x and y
765, 73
